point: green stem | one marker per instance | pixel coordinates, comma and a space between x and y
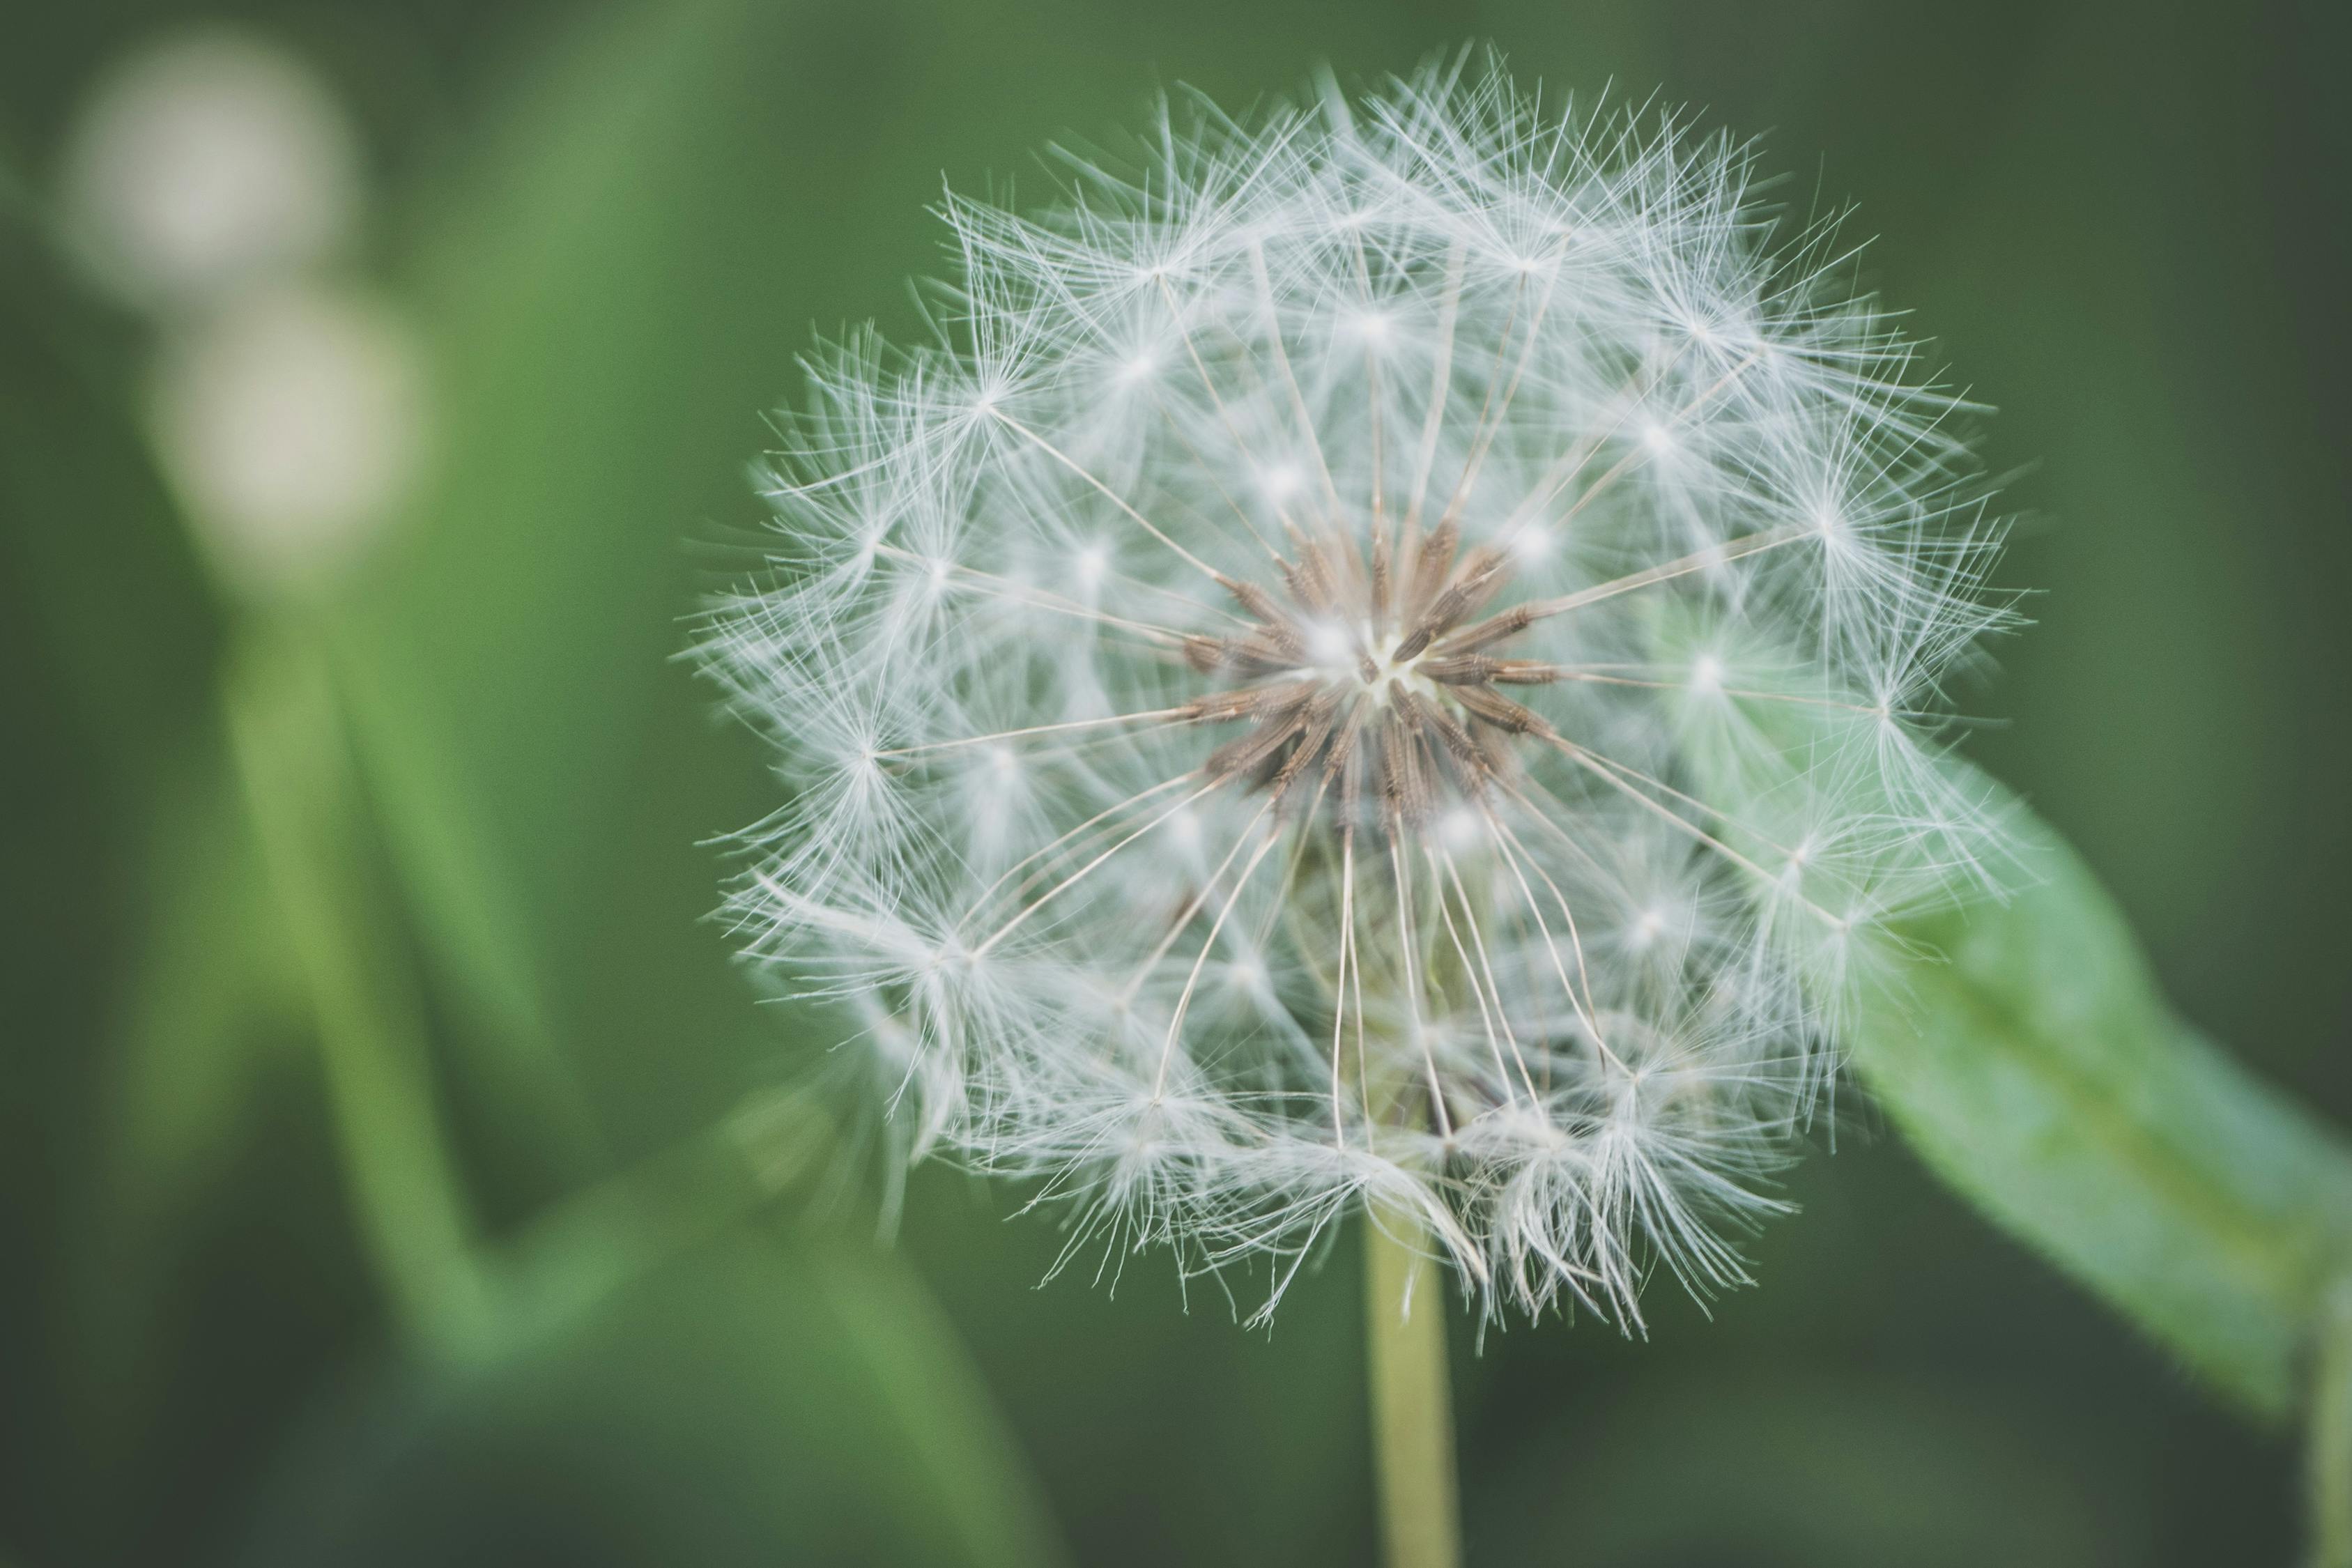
2330, 1456
292, 758
1412, 1416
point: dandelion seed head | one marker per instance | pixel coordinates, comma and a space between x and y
1382, 658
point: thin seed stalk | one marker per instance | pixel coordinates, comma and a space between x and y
1413, 1414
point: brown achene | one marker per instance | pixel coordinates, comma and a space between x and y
1370, 681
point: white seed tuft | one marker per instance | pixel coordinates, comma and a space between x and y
1382, 658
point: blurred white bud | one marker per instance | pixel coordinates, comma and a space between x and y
291, 425
204, 164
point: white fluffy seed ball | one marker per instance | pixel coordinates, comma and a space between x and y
1387, 658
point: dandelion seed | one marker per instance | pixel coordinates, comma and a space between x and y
1254, 776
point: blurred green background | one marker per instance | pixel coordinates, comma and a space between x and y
442, 808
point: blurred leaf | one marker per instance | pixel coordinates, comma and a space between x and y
199, 998
120, 600
605, 291
2024, 1046
940, 1412
293, 759
1139, 1397
115, 581
210, 1007
212, 988
756, 1402
2034, 1064
2028, 1053
601, 1239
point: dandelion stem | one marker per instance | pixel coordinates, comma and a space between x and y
1413, 1415
2330, 1457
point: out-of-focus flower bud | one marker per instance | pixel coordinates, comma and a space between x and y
291, 425
205, 164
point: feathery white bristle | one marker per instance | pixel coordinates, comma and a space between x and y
1260, 693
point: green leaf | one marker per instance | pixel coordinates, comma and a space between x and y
128, 621
754, 1402
613, 289
201, 1005
2034, 1064
211, 1012
292, 756
2021, 1042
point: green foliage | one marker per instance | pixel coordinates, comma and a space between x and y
754, 1403
294, 763
2020, 1040
832, 1402
614, 293
2031, 1059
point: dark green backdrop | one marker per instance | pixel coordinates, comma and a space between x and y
2129, 226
